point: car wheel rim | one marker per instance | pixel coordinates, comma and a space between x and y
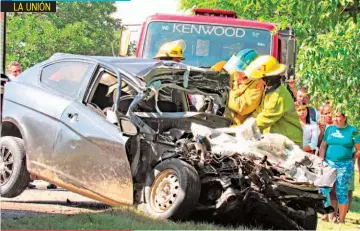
164, 191
6, 165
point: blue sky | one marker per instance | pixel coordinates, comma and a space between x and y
136, 12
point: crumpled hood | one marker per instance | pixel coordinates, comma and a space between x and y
179, 76
188, 77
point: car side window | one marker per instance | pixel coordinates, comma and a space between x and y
66, 77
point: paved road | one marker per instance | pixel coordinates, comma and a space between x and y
42, 201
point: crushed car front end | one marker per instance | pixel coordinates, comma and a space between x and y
238, 180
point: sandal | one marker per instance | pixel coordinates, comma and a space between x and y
51, 186
325, 218
335, 220
31, 186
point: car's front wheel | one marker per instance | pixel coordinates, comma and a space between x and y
172, 190
14, 176
310, 221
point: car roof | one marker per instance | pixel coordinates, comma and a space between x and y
128, 64
135, 67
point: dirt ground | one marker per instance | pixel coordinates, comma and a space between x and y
42, 201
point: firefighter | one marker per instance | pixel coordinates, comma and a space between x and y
172, 51
245, 94
276, 113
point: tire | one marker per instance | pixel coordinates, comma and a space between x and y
310, 222
14, 177
182, 184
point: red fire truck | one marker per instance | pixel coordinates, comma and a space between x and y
212, 35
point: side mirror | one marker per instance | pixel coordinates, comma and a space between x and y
4, 79
127, 127
124, 42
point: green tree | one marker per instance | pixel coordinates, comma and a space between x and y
330, 67
30, 39
77, 27
91, 20
308, 17
328, 39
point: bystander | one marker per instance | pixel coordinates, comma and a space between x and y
303, 95
14, 69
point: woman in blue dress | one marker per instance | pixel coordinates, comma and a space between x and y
336, 149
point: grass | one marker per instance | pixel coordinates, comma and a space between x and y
115, 218
130, 218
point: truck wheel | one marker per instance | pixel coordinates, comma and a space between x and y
14, 176
172, 190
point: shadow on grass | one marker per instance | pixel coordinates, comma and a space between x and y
49, 190
16, 214
127, 217
355, 206
114, 218
76, 204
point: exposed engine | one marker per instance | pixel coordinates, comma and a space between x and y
239, 188
248, 183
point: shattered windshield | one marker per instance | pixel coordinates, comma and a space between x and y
205, 44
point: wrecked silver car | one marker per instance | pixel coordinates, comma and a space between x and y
124, 131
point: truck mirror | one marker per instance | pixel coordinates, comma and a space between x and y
124, 42
291, 52
288, 50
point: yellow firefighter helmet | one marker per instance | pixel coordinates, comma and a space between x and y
172, 49
264, 66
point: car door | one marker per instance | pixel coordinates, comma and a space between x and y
90, 154
42, 107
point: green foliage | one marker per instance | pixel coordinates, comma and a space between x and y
77, 27
329, 66
308, 18
328, 38
30, 39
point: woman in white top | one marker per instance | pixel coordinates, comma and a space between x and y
310, 129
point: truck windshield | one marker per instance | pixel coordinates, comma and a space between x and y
205, 44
